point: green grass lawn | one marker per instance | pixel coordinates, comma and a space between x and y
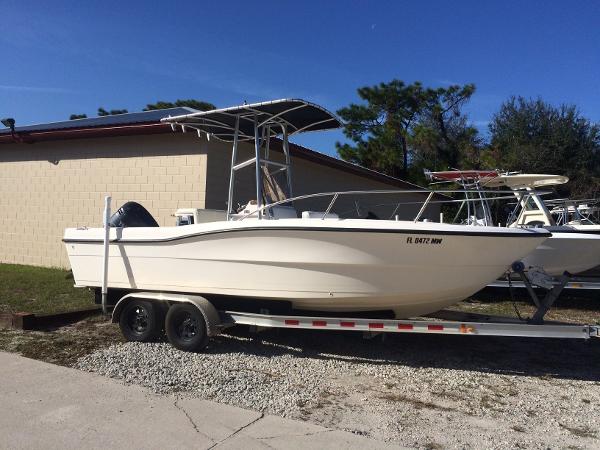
40, 290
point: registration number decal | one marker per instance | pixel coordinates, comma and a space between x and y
423, 240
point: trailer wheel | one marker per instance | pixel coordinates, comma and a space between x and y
140, 321
186, 327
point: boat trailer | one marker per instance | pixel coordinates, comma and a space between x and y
215, 321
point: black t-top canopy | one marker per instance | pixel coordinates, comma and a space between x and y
295, 115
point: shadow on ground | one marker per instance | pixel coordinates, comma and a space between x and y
552, 358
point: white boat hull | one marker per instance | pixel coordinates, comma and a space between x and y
589, 229
566, 252
329, 265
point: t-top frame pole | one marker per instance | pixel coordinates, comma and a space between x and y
258, 168
232, 170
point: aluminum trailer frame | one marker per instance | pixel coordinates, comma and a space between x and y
467, 328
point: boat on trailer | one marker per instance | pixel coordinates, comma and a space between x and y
572, 249
268, 251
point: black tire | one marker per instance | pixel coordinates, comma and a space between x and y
186, 327
141, 321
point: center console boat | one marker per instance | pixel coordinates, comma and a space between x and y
315, 260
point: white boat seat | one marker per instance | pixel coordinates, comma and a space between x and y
274, 212
319, 215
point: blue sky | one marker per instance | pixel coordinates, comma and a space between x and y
72, 57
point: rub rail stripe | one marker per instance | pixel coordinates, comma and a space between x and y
530, 234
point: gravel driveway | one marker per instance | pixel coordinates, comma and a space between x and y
418, 391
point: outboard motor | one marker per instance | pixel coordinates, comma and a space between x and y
132, 214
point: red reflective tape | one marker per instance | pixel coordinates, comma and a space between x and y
347, 324
405, 326
435, 327
319, 323
292, 322
375, 325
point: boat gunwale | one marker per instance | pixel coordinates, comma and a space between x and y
531, 234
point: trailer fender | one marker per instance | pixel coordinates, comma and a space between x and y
209, 312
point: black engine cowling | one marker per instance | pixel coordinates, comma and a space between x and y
132, 214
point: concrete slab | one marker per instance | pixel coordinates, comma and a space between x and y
49, 406
277, 432
55, 407
216, 420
